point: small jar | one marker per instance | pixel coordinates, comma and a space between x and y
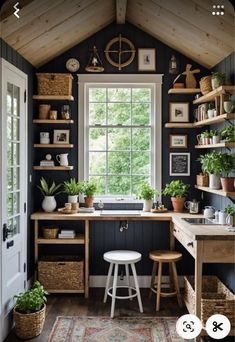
44, 138
65, 112
53, 115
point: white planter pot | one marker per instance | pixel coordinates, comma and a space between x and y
214, 182
72, 199
49, 204
211, 113
215, 139
148, 204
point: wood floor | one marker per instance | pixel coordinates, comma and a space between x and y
77, 305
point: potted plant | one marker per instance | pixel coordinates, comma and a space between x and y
211, 110
217, 80
211, 164
215, 137
206, 137
227, 165
230, 211
89, 188
177, 190
147, 193
49, 193
72, 188
29, 312
228, 133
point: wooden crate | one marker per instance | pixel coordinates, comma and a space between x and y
54, 84
203, 179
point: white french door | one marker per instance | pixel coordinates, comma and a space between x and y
13, 186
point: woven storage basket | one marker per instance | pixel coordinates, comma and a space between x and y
29, 325
216, 298
50, 232
61, 273
54, 84
205, 85
203, 179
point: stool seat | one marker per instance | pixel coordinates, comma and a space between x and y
122, 257
165, 256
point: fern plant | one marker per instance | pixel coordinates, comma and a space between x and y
47, 190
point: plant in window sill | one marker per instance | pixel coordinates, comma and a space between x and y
49, 193
72, 188
147, 193
89, 188
177, 190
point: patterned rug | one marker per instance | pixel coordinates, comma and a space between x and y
121, 329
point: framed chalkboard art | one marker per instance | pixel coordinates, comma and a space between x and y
179, 164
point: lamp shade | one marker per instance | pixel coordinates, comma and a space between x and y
94, 64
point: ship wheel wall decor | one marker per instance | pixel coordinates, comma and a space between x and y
116, 46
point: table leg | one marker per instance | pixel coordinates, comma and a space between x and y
87, 241
198, 281
35, 248
172, 238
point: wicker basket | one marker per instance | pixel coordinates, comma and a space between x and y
44, 110
50, 232
205, 85
216, 298
203, 179
29, 325
61, 273
54, 84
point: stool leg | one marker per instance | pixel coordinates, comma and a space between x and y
153, 278
159, 280
128, 280
172, 283
176, 284
114, 289
108, 282
137, 287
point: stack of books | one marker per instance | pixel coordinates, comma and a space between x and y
47, 163
67, 234
86, 210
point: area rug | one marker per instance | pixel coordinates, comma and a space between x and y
121, 329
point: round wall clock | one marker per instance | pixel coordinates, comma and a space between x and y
72, 64
124, 50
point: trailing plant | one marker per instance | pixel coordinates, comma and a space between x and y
89, 188
227, 163
211, 162
228, 133
31, 300
229, 210
176, 188
147, 192
72, 187
47, 190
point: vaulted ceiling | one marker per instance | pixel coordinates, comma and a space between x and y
47, 28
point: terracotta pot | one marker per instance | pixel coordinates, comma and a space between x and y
227, 183
178, 204
89, 202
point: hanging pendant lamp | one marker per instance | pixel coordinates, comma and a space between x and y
94, 64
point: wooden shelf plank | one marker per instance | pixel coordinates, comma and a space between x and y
184, 91
53, 145
38, 121
212, 94
217, 192
78, 240
216, 119
53, 168
221, 144
53, 97
179, 125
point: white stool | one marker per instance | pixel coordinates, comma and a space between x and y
122, 258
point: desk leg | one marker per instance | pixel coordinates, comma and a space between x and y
198, 281
86, 259
35, 248
172, 247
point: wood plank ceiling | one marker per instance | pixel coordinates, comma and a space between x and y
47, 28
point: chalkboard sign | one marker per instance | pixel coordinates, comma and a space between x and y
179, 164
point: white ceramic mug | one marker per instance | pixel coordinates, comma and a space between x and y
222, 217
62, 159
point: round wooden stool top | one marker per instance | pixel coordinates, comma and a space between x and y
165, 256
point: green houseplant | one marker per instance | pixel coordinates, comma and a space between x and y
29, 312
228, 133
89, 188
177, 190
211, 110
49, 193
211, 164
72, 188
218, 79
230, 211
147, 193
227, 165
215, 136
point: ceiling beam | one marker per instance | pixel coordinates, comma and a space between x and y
121, 11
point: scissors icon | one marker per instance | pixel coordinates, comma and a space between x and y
217, 326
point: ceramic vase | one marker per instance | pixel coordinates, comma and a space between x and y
148, 204
210, 113
215, 139
214, 182
49, 204
72, 199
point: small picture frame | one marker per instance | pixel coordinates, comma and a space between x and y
61, 136
146, 59
179, 112
178, 141
179, 164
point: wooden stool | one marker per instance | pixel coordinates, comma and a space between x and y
160, 257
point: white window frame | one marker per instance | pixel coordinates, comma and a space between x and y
155, 82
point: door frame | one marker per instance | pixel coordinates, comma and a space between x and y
4, 66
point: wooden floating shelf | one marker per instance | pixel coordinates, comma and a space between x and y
53, 97
38, 121
217, 192
184, 91
53, 145
53, 168
78, 240
221, 144
179, 125
214, 93
214, 120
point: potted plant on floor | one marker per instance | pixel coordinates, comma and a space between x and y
177, 190
228, 133
147, 193
72, 188
211, 164
49, 193
227, 165
89, 188
217, 80
29, 312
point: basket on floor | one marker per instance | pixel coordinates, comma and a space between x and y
205, 85
216, 298
54, 84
